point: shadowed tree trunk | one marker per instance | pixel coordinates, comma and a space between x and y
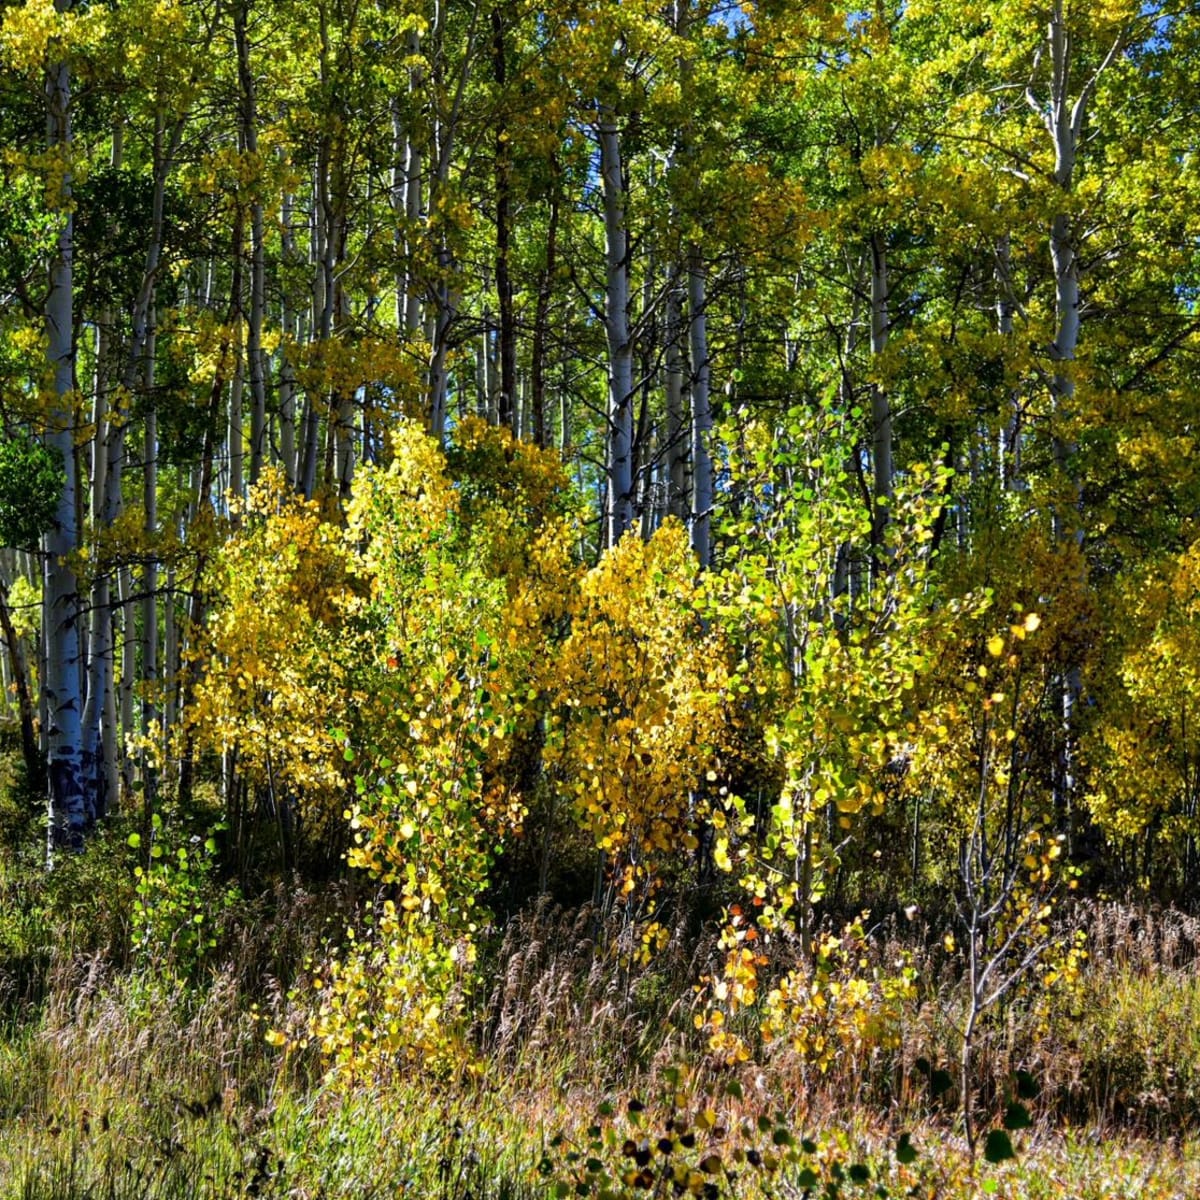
71, 810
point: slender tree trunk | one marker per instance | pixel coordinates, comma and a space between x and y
702, 482
70, 809
1062, 128
150, 673
124, 720
678, 440
204, 510
881, 408
345, 400
447, 113
41, 650
1010, 436
103, 755
287, 371
170, 657
616, 325
564, 399
234, 438
541, 322
481, 373
396, 196
440, 340
699, 462
99, 633
255, 362
322, 312
414, 169
1064, 122
504, 288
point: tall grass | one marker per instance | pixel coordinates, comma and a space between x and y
121, 1078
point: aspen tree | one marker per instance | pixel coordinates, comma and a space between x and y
72, 810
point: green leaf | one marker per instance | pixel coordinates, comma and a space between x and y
134, 840
998, 1147
1016, 1116
31, 481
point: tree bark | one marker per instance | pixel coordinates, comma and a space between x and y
1063, 122
1010, 435
504, 289
254, 351
881, 408
150, 673
702, 481
616, 326
287, 371
678, 445
541, 321
70, 810
414, 169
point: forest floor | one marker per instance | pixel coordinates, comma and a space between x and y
123, 1077
119, 1085
101, 1100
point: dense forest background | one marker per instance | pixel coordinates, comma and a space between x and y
710, 488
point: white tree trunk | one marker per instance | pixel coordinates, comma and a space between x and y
678, 441
1010, 435
616, 326
1066, 525
414, 167
236, 442
1064, 119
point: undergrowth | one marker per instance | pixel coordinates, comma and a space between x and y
123, 1075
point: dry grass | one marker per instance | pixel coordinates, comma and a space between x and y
116, 1083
